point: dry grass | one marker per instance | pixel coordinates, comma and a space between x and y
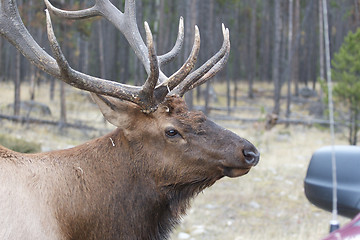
268, 203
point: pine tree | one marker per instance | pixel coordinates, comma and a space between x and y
346, 75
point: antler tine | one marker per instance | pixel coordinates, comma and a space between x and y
86, 82
144, 97
147, 96
147, 92
166, 58
175, 79
55, 48
211, 73
191, 80
80, 14
124, 22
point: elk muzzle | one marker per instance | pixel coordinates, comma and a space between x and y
251, 156
248, 156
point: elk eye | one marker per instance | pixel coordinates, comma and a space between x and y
172, 133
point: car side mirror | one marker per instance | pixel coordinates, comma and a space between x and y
318, 182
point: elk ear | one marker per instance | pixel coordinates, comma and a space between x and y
115, 111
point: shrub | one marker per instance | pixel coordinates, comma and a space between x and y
19, 145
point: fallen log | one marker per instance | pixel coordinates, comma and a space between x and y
27, 120
303, 121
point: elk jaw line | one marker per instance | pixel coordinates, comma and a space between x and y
233, 172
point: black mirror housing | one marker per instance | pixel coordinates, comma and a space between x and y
318, 182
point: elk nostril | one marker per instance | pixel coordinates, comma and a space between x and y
251, 158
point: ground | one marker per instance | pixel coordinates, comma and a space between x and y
267, 203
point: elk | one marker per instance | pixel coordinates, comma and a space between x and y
135, 182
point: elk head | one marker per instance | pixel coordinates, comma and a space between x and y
156, 108
184, 145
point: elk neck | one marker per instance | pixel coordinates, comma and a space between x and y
98, 176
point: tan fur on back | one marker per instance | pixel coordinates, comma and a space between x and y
23, 213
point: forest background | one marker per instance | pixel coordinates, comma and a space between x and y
274, 41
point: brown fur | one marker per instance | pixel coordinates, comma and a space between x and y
135, 189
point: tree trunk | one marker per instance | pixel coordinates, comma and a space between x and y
156, 25
353, 125
252, 50
228, 91
236, 62
32, 82
125, 66
276, 57
357, 17
265, 43
210, 41
295, 68
83, 60
191, 14
290, 37
101, 50
17, 80
356, 127
34, 72
17, 83
321, 42
52, 89
1, 62
321, 46
139, 74
311, 49
162, 36
62, 122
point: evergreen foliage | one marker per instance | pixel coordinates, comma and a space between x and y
346, 75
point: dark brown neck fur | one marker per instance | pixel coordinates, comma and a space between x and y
112, 199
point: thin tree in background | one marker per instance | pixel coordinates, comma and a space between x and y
101, 50
191, 15
295, 67
289, 56
252, 50
1, 57
17, 83
210, 42
266, 37
62, 121
357, 17
159, 36
139, 74
236, 62
276, 57
32, 82
312, 53
321, 43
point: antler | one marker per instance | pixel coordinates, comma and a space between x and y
157, 85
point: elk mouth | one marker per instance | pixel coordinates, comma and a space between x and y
235, 171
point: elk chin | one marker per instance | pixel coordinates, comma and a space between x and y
235, 172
